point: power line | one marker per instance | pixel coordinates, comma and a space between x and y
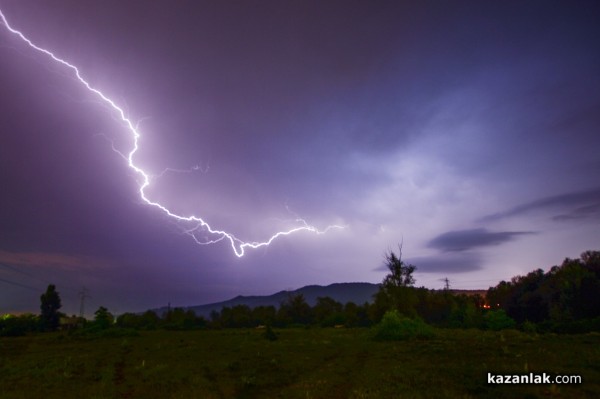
15, 269
19, 284
20, 271
23, 272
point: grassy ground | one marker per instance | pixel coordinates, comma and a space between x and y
302, 363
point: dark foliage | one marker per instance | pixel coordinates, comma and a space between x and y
295, 310
16, 326
564, 299
328, 312
103, 319
396, 327
396, 292
269, 334
175, 319
50, 303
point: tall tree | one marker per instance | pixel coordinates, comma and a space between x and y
397, 292
400, 273
103, 318
50, 303
328, 312
295, 310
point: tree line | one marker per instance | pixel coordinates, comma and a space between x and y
566, 298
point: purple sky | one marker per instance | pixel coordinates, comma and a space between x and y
470, 131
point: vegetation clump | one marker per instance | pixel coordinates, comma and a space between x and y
269, 334
497, 320
396, 327
16, 326
50, 303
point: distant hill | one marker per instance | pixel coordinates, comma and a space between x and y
358, 293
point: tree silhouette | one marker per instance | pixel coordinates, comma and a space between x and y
328, 312
400, 273
397, 292
103, 318
295, 310
565, 298
50, 303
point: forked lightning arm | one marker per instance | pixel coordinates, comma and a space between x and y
238, 245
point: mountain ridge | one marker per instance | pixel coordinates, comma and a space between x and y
357, 292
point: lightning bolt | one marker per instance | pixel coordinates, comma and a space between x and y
200, 225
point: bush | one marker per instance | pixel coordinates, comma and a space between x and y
103, 319
16, 326
394, 326
94, 331
529, 327
497, 320
577, 326
269, 334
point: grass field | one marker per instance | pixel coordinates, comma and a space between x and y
302, 363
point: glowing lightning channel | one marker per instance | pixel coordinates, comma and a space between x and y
239, 246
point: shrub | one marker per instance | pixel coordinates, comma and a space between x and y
94, 331
577, 326
529, 327
103, 319
16, 326
497, 320
394, 326
269, 334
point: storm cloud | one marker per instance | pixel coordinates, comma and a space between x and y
443, 263
464, 240
584, 212
448, 263
575, 205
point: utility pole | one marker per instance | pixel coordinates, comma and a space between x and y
84, 293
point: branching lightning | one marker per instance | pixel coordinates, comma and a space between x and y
199, 224
193, 169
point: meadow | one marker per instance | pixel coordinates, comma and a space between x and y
301, 363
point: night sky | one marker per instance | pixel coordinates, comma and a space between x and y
468, 131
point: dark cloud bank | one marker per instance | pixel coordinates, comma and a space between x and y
574, 205
448, 263
463, 240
